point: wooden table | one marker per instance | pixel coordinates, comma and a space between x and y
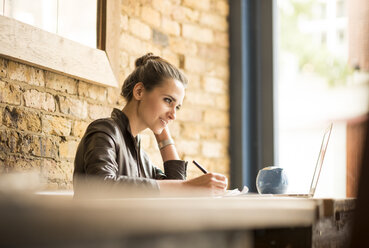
59, 221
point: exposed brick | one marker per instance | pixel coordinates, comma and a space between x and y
72, 106
79, 128
114, 97
3, 66
171, 57
150, 16
155, 49
214, 21
184, 14
29, 144
52, 170
160, 38
192, 131
49, 147
18, 163
132, 45
21, 119
145, 141
221, 39
191, 115
216, 118
170, 27
92, 91
183, 46
194, 64
123, 59
9, 141
139, 29
196, 4
131, 7
220, 165
218, 70
39, 100
215, 85
67, 149
187, 147
221, 7
200, 98
194, 82
97, 111
222, 134
56, 125
222, 102
124, 22
213, 149
175, 129
196, 33
213, 53
25, 74
163, 6
10, 94
60, 83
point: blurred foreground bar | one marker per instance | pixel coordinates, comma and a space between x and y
58, 220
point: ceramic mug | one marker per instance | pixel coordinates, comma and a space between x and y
272, 180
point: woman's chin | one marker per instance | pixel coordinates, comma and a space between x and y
157, 131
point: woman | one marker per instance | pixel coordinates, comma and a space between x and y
111, 148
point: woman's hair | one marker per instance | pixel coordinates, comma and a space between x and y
151, 70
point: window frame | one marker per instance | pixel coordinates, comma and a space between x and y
33, 46
253, 107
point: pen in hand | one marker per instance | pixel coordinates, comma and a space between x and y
200, 167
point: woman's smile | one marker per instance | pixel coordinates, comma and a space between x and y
163, 122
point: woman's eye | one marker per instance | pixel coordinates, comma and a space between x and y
178, 108
168, 100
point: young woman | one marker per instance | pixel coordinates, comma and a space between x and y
111, 147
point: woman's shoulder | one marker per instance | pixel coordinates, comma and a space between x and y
105, 125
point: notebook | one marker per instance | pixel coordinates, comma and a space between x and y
318, 166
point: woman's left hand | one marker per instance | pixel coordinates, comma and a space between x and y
165, 134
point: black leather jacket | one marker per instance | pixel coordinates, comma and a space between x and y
110, 152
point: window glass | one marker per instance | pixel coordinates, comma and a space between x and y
63, 17
75, 24
1, 7
315, 87
38, 13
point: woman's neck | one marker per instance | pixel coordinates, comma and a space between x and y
130, 110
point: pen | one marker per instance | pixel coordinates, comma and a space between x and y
200, 167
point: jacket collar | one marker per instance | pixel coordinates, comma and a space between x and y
123, 123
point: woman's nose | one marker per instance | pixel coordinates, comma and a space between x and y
172, 114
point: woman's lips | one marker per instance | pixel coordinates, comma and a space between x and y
163, 122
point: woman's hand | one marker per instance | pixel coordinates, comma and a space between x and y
207, 184
213, 183
165, 134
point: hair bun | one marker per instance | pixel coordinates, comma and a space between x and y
142, 60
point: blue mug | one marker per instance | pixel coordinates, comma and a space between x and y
272, 180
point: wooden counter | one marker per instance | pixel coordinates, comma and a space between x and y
44, 220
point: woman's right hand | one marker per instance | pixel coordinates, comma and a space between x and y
213, 183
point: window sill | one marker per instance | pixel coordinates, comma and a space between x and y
30, 45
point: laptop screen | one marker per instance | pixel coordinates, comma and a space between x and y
319, 162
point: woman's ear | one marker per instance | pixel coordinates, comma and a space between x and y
138, 91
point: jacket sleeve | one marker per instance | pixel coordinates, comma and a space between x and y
100, 160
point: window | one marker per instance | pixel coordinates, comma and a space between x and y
76, 55
315, 87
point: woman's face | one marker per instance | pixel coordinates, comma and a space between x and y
158, 107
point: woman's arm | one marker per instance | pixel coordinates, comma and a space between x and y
168, 152
210, 183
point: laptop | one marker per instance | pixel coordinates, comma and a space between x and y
318, 167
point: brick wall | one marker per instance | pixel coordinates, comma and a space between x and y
44, 115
